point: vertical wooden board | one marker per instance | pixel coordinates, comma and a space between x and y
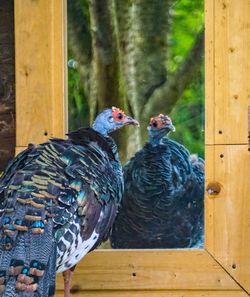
209, 203
231, 212
209, 71
232, 70
40, 75
59, 68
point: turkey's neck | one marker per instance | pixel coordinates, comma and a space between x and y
155, 141
99, 127
155, 137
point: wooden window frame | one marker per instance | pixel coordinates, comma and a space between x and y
222, 268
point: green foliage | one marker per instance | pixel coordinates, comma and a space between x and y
188, 117
188, 114
186, 19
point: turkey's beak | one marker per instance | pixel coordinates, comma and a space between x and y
131, 121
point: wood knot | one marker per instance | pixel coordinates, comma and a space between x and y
213, 188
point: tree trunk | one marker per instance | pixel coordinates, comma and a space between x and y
105, 86
128, 63
7, 83
142, 40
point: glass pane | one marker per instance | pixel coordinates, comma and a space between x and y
146, 57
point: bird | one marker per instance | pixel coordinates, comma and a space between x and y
58, 201
162, 204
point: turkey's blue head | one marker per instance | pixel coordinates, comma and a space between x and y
159, 126
112, 119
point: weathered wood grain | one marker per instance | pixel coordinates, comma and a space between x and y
228, 213
150, 270
170, 293
232, 70
209, 205
209, 71
230, 210
40, 70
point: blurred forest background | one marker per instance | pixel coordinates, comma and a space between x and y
144, 56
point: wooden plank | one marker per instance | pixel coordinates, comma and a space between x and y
59, 69
156, 294
40, 70
150, 270
232, 70
208, 205
19, 149
209, 71
231, 212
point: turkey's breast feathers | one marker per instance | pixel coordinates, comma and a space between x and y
163, 202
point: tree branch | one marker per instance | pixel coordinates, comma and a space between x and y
165, 97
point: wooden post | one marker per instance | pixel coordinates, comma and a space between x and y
40, 40
228, 159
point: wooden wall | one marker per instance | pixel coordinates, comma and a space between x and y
168, 273
7, 83
223, 267
40, 42
227, 155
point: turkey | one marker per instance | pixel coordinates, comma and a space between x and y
58, 201
162, 206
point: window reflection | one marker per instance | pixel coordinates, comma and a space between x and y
147, 58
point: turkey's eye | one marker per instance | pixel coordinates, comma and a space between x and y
154, 124
120, 116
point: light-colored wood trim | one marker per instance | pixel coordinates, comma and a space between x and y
209, 203
228, 213
150, 270
209, 72
59, 69
232, 71
171, 293
40, 38
230, 210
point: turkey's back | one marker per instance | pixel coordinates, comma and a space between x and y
161, 206
58, 201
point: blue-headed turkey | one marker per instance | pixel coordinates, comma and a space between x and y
58, 201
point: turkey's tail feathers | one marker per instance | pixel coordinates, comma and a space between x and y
27, 261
